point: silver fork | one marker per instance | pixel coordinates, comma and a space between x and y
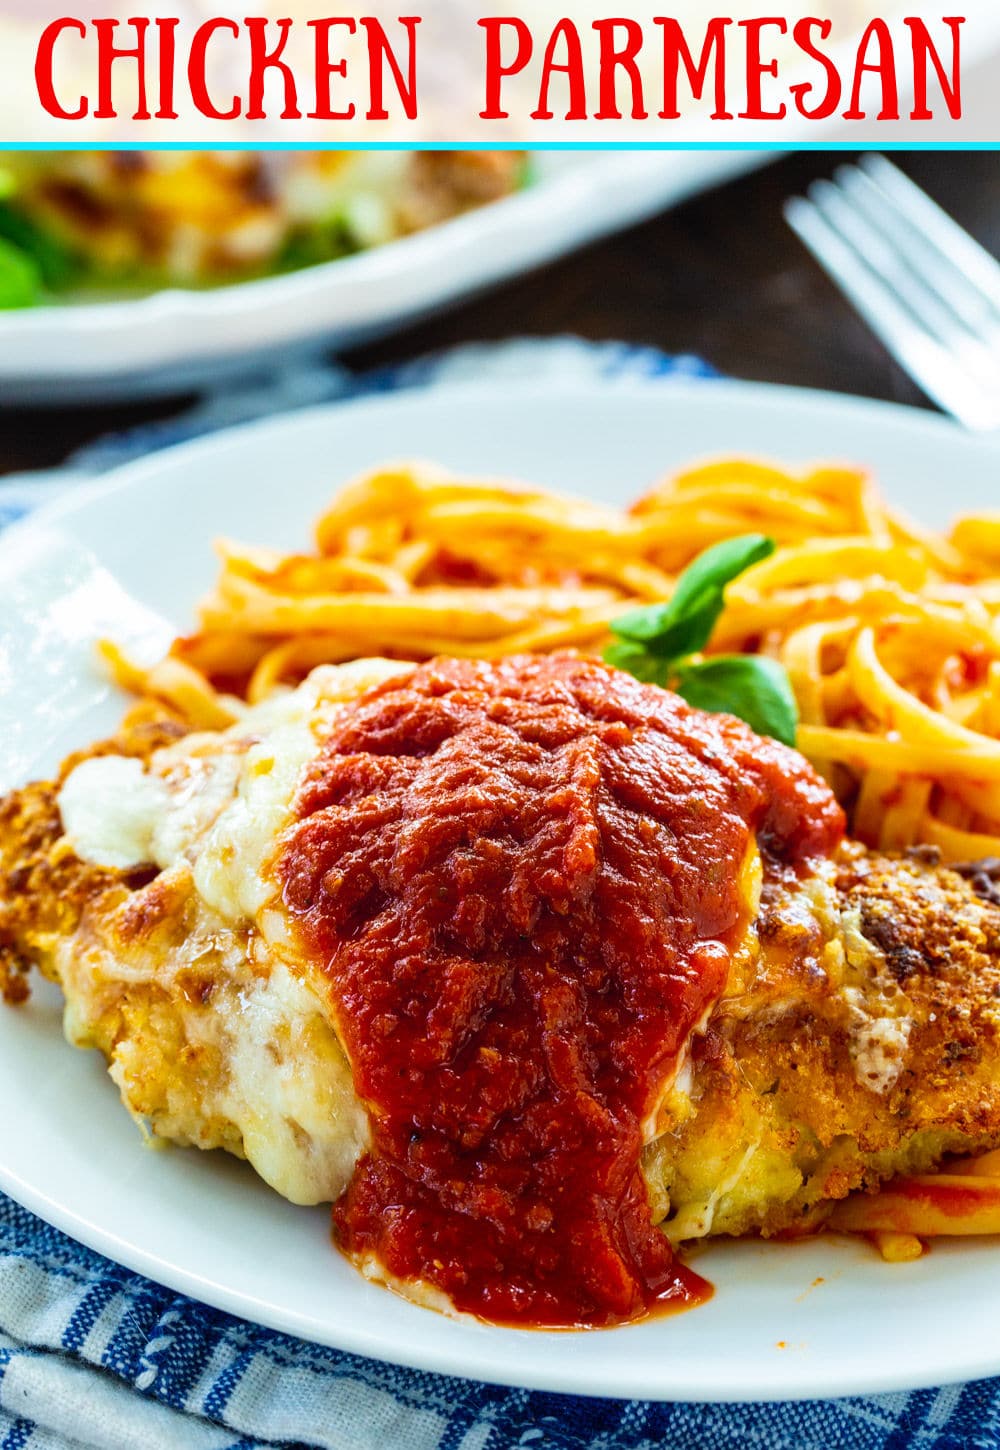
927, 289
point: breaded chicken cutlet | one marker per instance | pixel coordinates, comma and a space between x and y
851, 1032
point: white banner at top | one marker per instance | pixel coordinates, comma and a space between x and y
528, 73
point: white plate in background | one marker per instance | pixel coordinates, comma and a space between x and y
173, 339
787, 1321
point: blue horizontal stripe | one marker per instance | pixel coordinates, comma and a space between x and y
521, 145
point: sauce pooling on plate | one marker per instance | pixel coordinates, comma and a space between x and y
524, 883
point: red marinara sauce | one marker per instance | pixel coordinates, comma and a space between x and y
522, 883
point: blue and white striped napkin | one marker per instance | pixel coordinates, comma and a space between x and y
93, 1357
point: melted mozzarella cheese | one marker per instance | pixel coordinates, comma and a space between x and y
230, 873
204, 972
290, 1093
110, 809
217, 801
880, 1023
878, 1050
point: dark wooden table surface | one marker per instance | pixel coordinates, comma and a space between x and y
721, 276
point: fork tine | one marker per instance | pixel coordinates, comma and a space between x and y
935, 268
883, 257
943, 379
935, 224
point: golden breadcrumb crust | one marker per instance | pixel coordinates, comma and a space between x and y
866, 1043
210, 1042
44, 887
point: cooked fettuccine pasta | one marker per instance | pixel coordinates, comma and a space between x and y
889, 632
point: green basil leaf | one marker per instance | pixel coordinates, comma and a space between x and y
638, 661
675, 638
684, 624
753, 687
719, 566
20, 279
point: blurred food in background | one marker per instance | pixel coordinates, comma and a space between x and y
118, 220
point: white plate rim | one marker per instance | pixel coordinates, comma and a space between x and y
850, 406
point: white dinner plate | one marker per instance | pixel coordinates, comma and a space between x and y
813, 1319
176, 338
